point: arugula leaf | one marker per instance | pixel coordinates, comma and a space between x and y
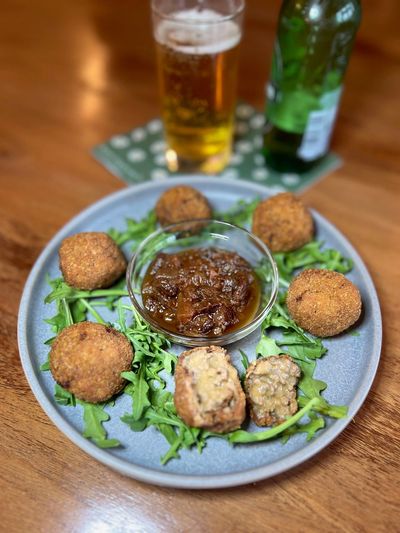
139, 391
244, 359
172, 453
162, 398
311, 427
267, 346
161, 416
62, 319
303, 350
311, 255
240, 214
147, 343
107, 443
63, 291
45, 366
92, 311
169, 433
135, 425
115, 293
167, 422
93, 417
312, 388
63, 397
241, 436
78, 311
301, 344
265, 272
72, 305
325, 408
308, 385
59, 290
58, 322
136, 230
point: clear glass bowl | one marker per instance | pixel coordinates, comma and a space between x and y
205, 234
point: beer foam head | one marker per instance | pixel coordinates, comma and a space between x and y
194, 31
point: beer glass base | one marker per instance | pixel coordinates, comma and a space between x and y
210, 165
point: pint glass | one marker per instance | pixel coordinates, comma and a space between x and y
197, 54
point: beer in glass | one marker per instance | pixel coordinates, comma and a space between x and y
197, 53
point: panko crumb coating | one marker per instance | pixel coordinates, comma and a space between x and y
181, 203
91, 260
283, 222
87, 360
323, 302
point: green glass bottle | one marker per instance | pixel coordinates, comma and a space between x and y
312, 50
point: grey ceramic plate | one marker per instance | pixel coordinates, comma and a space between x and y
349, 367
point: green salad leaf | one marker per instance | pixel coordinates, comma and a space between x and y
152, 405
267, 346
241, 437
311, 255
45, 367
63, 397
135, 231
93, 417
139, 391
240, 214
314, 424
61, 291
244, 359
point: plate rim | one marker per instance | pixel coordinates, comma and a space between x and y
191, 481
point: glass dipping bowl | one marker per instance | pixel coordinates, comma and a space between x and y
204, 234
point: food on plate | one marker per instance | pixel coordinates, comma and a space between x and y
283, 222
323, 302
87, 359
181, 203
201, 292
91, 260
207, 390
270, 386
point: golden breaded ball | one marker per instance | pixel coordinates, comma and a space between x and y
87, 359
323, 302
181, 203
283, 223
91, 260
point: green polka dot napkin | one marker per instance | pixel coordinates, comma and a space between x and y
138, 155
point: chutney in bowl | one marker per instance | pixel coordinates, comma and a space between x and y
198, 282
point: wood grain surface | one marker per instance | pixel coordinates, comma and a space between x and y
71, 75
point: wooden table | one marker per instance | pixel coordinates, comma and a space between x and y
74, 73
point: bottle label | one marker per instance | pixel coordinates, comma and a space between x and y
319, 127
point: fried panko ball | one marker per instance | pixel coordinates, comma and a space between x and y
91, 260
87, 360
181, 203
283, 223
208, 394
323, 302
270, 386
